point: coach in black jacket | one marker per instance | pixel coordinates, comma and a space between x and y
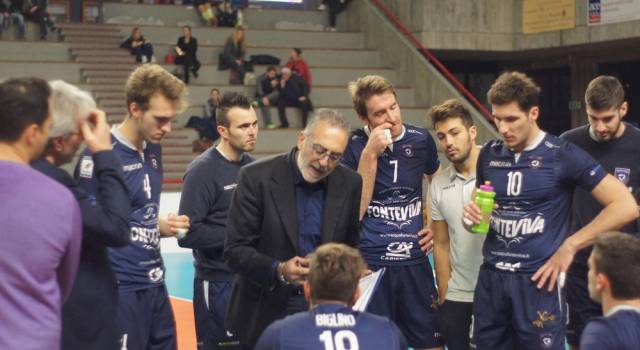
89, 315
283, 208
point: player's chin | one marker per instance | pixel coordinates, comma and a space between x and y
156, 138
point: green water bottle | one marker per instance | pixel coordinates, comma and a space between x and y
484, 200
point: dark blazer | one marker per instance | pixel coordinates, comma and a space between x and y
89, 315
262, 229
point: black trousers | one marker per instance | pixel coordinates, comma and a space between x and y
188, 62
283, 103
454, 319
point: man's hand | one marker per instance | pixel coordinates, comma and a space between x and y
98, 139
174, 225
265, 101
378, 139
471, 215
556, 267
426, 240
294, 270
302, 98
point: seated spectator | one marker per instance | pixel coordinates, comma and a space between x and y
227, 15
38, 13
233, 54
335, 7
331, 289
294, 92
186, 50
267, 94
298, 65
139, 46
11, 11
206, 125
205, 10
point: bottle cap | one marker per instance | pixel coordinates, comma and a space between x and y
486, 187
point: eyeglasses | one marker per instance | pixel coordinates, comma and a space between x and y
322, 152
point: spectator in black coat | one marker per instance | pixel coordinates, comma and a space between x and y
89, 315
206, 125
227, 15
139, 46
267, 94
38, 13
186, 50
294, 92
233, 54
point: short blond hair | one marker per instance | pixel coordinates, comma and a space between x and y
150, 79
363, 88
334, 272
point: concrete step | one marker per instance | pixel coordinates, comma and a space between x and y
88, 38
270, 38
255, 18
29, 50
98, 33
105, 59
209, 75
111, 52
48, 70
314, 56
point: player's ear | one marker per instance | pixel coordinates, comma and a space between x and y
534, 112
473, 132
602, 282
624, 108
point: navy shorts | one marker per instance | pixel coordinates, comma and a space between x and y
510, 312
210, 300
581, 308
408, 296
145, 319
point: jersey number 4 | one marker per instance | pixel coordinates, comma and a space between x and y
146, 185
514, 185
342, 340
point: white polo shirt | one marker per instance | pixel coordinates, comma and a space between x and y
449, 192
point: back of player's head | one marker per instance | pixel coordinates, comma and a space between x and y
23, 102
448, 109
617, 256
514, 87
603, 93
331, 117
228, 101
150, 79
334, 272
364, 88
69, 105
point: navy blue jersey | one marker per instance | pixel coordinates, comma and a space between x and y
619, 330
138, 265
332, 326
394, 216
533, 191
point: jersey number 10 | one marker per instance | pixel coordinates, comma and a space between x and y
342, 340
514, 185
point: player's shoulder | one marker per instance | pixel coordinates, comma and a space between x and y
380, 323
358, 136
576, 134
442, 178
264, 167
597, 327
633, 131
413, 132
